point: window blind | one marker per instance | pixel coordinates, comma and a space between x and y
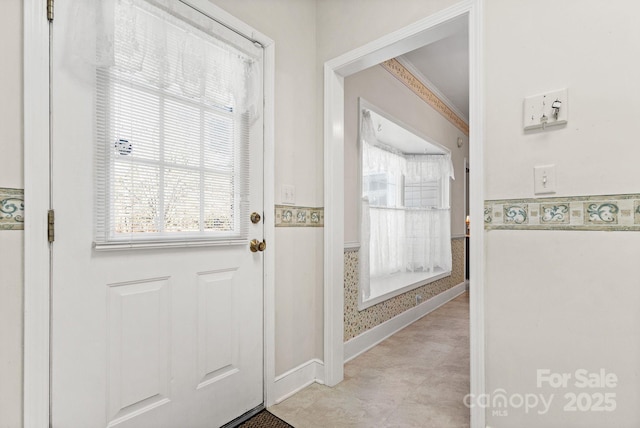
175, 108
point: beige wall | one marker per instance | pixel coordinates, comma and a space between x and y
307, 33
563, 300
557, 300
344, 25
11, 241
292, 25
380, 88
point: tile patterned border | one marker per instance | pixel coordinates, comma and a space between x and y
291, 216
606, 212
11, 209
394, 67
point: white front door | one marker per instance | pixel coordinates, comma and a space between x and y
157, 313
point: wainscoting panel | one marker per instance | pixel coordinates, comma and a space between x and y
370, 338
357, 322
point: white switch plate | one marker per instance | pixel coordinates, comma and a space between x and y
538, 105
544, 179
288, 194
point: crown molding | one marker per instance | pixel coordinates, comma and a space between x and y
432, 97
432, 87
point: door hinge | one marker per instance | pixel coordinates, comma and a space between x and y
50, 10
51, 219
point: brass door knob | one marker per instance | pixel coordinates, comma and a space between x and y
255, 218
256, 245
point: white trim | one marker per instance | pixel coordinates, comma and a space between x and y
432, 87
393, 45
269, 223
375, 335
402, 41
297, 379
36, 176
36, 182
363, 104
398, 291
147, 245
333, 225
351, 246
458, 236
476, 206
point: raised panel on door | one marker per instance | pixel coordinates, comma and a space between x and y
139, 340
217, 327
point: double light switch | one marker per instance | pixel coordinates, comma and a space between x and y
548, 109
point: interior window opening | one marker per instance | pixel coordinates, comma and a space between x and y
405, 209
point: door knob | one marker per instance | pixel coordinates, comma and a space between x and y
255, 218
256, 245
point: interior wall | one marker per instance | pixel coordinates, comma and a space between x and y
343, 26
357, 322
11, 241
380, 88
562, 300
298, 281
346, 25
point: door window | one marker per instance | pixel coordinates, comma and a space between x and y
175, 104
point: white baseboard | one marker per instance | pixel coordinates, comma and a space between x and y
298, 378
370, 338
312, 371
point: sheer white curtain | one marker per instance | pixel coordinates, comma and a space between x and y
396, 238
178, 99
428, 229
144, 40
365, 274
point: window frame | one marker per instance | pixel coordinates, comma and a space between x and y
445, 196
105, 237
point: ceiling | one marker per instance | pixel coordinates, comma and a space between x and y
445, 65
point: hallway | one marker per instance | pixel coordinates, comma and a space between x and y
416, 378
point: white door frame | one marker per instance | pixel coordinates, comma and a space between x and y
37, 267
390, 46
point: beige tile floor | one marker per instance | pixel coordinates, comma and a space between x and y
416, 378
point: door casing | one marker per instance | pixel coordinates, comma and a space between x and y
390, 46
37, 264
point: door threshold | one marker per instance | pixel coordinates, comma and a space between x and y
245, 417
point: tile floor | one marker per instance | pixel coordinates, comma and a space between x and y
416, 378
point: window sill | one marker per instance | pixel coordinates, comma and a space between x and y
132, 245
386, 287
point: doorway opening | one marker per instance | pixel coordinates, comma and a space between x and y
420, 34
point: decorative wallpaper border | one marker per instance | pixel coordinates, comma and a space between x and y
598, 212
290, 216
11, 209
394, 67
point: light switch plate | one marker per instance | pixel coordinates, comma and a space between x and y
288, 194
539, 113
544, 179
